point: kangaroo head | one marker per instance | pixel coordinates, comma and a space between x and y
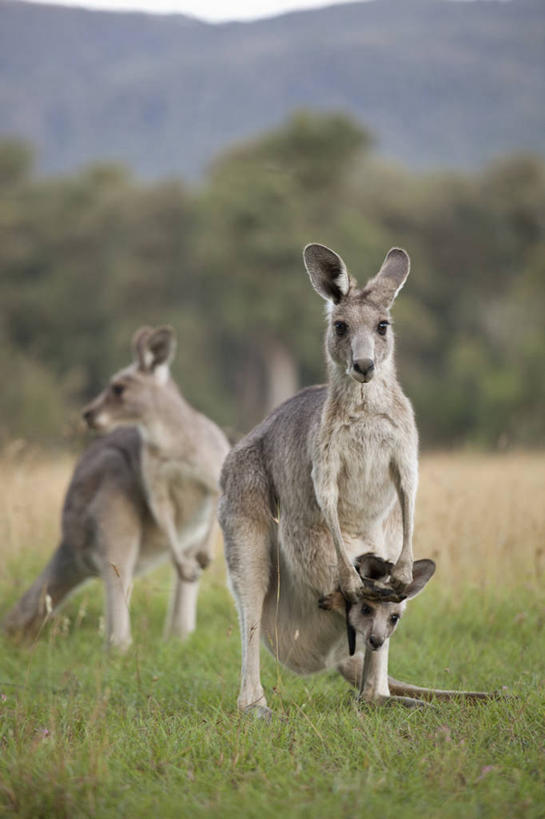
376, 615
359, 339
132, 395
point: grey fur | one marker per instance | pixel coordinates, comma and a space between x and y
330, 474
137, 495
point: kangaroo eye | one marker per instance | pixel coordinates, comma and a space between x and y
118, 389
341, 328
382, 326
366, 610
394, 618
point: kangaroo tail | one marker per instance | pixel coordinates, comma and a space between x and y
399, 688
61, 575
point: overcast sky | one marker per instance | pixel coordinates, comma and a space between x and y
215, 10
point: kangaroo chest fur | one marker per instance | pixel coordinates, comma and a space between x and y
349, 466
362, 451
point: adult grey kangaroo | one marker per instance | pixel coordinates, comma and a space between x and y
327, 476
138, 495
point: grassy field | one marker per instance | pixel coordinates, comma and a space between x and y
156, 732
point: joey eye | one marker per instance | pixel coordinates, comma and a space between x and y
118, 389
394, 618
382, 326
366, 610
341, 328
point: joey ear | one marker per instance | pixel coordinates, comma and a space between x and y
422, 572
391, 277
154, 348
371, 566
327, 272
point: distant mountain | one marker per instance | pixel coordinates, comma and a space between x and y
438, 81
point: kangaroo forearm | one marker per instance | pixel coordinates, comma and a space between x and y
405, 481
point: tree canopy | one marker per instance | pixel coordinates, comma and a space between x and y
88, 257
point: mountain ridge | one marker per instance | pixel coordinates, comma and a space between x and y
439, 83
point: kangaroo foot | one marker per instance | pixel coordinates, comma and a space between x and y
261, 712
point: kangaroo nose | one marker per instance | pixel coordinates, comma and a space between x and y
365, 367
375, 642
87, 415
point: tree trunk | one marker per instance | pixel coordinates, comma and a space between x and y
281, 379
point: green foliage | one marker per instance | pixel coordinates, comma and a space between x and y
85, 259
157, 732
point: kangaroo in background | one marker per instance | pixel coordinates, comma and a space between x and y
328, 475
139, 494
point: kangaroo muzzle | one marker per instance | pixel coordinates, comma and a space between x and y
94, 418
363, 369
374, 642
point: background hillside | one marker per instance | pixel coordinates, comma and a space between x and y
438, 82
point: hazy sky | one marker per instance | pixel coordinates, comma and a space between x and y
205, 9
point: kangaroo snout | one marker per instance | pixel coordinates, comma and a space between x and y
90, 417
375, 642
363, 369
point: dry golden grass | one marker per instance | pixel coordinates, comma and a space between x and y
32, 489
481, 517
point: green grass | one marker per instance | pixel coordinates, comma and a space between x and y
156, 732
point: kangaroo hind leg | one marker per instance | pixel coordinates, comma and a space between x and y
118, 533
247, 551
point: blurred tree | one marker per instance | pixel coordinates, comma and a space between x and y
85, 259
263, 202
16, 163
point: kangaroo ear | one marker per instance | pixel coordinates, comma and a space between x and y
162, 345
327, 272
390, 279
422, 572
139, 347
154, 348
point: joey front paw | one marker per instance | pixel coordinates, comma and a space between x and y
332, 602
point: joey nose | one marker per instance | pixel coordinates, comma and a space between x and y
364, 367
375, 642
87, 416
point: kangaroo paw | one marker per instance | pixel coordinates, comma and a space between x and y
204, 559
188, 570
